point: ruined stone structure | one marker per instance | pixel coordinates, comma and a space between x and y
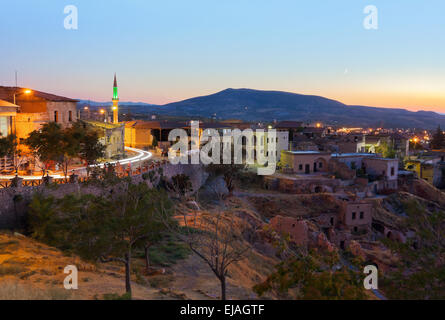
296, 229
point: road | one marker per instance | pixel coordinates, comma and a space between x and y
134, 161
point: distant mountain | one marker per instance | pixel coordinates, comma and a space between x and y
109, 103
256, 105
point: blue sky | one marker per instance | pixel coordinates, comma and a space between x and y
166, 51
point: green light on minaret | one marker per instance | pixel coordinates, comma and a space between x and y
115, 95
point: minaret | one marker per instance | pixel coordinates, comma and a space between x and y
115, 102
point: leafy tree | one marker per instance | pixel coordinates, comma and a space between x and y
69, 147
42, 219
421, 270
386, 149
438, 139
130, 224
97, 227
53, 144
91, 149
156, 227
308, 279
6, 146
46, 144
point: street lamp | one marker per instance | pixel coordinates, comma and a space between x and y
104, 112
26, 91
87, 110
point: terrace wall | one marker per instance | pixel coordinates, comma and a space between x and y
14, 201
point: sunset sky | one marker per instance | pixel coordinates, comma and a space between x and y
165, 51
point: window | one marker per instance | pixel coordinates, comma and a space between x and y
362, 215
320, 164
392, 171
4, 127
56, 116
70, 116
332, 221
300, 167
354, 215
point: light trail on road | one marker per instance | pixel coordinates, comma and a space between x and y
142, 156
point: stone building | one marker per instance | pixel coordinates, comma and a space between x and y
112, 137
36, 108
8, 112
356, 215
138, 134
370, 143
296, 229
305, 162
352, 160
294, 129
428, 168
384, 169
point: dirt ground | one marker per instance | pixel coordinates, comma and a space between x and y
32, 270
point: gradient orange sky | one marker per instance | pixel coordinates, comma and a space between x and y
165, 51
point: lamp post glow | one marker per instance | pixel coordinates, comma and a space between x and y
26, 91
104, 112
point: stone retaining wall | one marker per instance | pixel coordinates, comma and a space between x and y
14, 201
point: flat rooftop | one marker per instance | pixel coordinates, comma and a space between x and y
339, 155
106, 125
304, 152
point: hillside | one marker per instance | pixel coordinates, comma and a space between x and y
33, 270
252, 105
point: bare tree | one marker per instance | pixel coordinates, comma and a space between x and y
180, 185
214, 239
